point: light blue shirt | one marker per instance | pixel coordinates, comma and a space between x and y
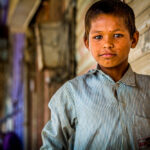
92, 112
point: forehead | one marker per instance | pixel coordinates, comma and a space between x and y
107, 21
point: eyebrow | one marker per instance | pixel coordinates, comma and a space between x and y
102, 31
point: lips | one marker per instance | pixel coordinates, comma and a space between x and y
107, 55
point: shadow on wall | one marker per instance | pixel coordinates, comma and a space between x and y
11, 142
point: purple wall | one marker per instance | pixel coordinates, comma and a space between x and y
4, 11
17, 83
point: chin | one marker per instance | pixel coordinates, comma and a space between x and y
113, 66
108, 65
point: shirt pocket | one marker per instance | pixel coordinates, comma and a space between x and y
141, 128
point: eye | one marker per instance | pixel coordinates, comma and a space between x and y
118, 35
98, 37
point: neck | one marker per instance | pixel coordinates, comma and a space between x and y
116, 73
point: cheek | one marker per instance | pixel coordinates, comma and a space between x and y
94, 51
124, 46
124, 51
94, 46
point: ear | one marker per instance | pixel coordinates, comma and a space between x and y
86, 42
135, 39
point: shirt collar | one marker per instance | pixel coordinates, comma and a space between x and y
127, 79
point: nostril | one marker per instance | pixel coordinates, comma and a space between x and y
108, 45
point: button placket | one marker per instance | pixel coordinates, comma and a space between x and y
115, 90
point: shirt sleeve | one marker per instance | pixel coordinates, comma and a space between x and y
58, 133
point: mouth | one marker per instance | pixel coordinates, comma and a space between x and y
107, 55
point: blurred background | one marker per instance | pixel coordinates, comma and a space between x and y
41, 47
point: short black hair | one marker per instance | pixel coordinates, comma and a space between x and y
114, 7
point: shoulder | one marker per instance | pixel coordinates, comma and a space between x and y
83, 80
73, 86
142, 77
65, 98
143, 80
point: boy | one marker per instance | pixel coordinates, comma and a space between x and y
108, 108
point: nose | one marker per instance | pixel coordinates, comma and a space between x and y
108, 43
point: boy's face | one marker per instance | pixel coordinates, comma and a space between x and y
109, 41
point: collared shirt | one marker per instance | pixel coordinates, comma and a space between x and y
92, 112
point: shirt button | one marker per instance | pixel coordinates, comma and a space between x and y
116, 85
